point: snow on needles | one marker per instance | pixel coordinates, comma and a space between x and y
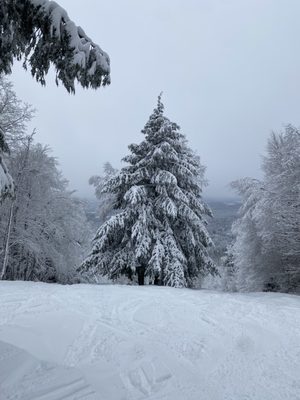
80, 42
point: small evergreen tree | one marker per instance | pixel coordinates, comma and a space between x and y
106, 200
228, 272
160, 226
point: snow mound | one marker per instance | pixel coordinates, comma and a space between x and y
23, 377
133, 343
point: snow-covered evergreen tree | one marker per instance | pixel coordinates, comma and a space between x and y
106, 200
160, 226
42, 32
228, 271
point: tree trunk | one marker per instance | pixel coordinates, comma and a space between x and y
156, 281
5, 261
141, 275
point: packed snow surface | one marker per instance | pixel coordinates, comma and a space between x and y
134, 343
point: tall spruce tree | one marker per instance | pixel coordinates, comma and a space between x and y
160, 226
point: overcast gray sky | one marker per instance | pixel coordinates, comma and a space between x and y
229, 70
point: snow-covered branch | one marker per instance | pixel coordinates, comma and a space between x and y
42, 31
6, 181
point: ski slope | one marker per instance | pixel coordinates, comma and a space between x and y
134, 343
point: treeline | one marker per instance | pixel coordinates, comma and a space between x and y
152, 215
43, 228
266, 252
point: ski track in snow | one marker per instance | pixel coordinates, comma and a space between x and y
85, 342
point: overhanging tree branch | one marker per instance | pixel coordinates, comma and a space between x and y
42, 32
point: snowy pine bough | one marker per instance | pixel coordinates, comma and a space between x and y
160, 224
42, 32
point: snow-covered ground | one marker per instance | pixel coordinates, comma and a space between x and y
129, 343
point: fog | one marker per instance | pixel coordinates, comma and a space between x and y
229, 71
